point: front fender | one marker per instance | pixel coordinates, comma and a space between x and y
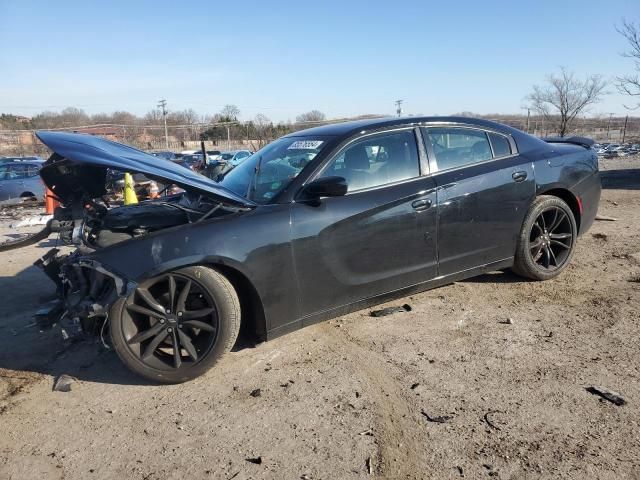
256, 244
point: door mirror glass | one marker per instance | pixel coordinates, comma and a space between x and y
325, 187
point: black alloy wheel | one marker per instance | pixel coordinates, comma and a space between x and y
547, 239
175, 326
162, 329
551, 238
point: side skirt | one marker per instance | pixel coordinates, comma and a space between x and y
384, 297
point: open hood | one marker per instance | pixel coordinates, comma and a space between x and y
82, 161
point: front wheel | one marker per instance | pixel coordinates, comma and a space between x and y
547, 239
176, 326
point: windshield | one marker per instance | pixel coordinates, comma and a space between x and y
227, 156
268, 171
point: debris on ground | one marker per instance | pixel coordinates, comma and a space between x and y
488, 420
606, 219
415, 385
256, 393
600, 236
32, 221
437, 419
63, 383
368, 465
390, 310
257, 460
508, 321
607, 394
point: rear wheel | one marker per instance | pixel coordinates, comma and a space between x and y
547, 239
176, 326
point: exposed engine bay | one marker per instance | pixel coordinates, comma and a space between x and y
94, 224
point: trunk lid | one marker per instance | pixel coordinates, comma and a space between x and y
82, 161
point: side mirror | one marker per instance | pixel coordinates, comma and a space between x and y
325, 187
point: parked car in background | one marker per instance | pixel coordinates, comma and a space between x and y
192, 162
33, 158
234, 157
167, 155
20, 180
316, 224
214, 155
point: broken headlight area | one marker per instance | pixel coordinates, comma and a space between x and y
86, 290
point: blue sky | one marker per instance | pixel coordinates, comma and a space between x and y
282, 58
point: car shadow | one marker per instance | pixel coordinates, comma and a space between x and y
501, 276
622, 179
26, 348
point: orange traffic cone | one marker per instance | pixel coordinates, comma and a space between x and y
50, 201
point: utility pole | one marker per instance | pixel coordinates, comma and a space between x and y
624, 131
163, 105
399, 107
228, 138
528, 118
609, 125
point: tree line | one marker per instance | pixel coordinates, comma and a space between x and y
76, 117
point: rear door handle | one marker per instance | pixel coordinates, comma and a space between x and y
519, 176
422, 204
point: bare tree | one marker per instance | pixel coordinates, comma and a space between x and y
153, 117
312, 116
229, 113
262, 126
630, 84
72, 116
565, 96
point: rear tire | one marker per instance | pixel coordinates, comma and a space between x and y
176, 326
547, 239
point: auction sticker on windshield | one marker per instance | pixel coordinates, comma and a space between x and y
305, 145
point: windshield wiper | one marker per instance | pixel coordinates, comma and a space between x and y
254, 181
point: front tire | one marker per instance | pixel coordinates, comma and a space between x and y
176, 326
547, 239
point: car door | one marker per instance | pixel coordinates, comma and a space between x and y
377, 238
484, 189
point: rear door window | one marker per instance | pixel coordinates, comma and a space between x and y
456, 147
500, 144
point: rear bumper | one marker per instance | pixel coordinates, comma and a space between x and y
588, 191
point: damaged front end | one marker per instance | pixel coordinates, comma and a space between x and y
76, 173
85, 289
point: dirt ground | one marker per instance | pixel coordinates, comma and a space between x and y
356, 397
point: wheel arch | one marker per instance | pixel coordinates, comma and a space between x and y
569, 198
253, 325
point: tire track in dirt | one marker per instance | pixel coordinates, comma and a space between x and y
399, 442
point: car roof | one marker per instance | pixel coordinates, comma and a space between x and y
347, 128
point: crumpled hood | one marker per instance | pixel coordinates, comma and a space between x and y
82, 161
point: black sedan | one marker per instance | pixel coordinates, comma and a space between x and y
316, 224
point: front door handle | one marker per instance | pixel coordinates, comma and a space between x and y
422, 204
519, 176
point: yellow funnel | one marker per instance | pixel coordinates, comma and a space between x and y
129, 192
